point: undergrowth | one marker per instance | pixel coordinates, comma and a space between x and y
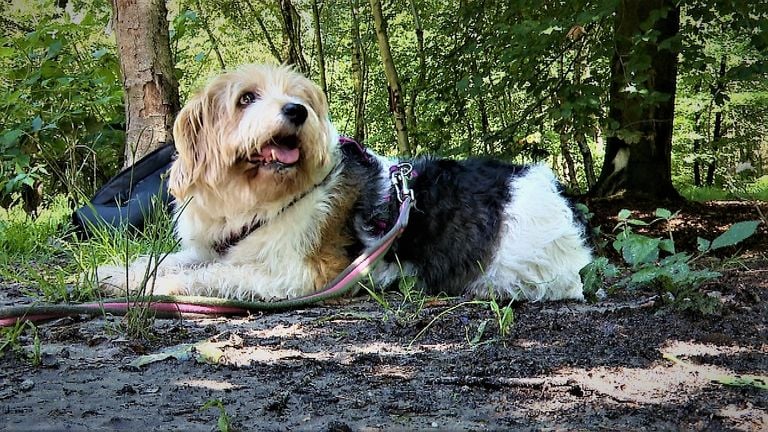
412, 300
45, 258
656, 262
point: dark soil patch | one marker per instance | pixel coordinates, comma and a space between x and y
351, 366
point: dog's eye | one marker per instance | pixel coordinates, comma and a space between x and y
248, 98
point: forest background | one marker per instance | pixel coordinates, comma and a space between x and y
636, 97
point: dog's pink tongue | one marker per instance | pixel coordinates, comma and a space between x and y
271, 152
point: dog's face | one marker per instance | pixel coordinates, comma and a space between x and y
261, 132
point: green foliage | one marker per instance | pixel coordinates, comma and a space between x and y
412, 300
594, 274
49, 263
521, 80
11, 341
223, 423
23, 239
61, 102
37, 253
655, 262
109, 245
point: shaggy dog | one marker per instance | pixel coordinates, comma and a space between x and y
274, 207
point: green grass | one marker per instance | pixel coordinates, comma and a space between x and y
49, 262
23, 238
755, 191
707, 193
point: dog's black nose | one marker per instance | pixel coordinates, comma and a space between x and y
295, 113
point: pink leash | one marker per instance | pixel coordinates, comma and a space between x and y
176, 306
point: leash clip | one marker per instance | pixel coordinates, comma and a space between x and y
400, 174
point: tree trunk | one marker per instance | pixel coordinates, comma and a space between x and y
578, 130
717, 135
319, 47
264, 31
696, 149
293, 50
359, 67
638, 155
214, 42
396, 100
717, 132
151, 90
571, 178
419, 84
586, 158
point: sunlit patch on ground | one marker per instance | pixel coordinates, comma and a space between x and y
208, 384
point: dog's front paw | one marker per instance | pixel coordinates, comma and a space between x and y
166, 285
113, 279
118, 280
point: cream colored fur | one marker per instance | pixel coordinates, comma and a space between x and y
222, 192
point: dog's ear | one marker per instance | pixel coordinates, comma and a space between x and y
192, 146
313, 94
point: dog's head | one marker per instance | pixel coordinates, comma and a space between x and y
260, 131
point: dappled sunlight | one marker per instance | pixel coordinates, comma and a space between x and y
528, 344
281, 331
689, 349
670, 380
207, 384
675, 379
399, 349
248, 355
394, 371
745, 418
657, 384
245, 356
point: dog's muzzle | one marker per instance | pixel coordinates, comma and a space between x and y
278, 152
282, 150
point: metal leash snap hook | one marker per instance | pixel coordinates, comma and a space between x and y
399, 175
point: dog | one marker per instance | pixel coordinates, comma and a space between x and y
480, 228
271, 206
262, 195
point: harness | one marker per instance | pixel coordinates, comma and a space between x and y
177, 306
224, 245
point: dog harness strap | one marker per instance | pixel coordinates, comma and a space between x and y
175, 306
224, 245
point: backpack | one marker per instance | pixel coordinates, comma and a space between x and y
125, 201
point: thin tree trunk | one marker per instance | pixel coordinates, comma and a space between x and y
485, 124
267, 35
396, 102
209, 32
697, 144
419, 84
579, 135
319, 46
717, 135
293, 50
570, 176
586, 158
358, 72
272, 47
151, 90
717, 132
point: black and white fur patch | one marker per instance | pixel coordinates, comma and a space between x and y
479, 227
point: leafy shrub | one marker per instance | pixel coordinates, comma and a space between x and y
655, 262
61, 99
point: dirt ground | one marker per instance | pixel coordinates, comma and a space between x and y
624, 363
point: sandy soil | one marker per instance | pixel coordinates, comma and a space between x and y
625, 363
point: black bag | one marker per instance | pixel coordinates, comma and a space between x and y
125, 201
